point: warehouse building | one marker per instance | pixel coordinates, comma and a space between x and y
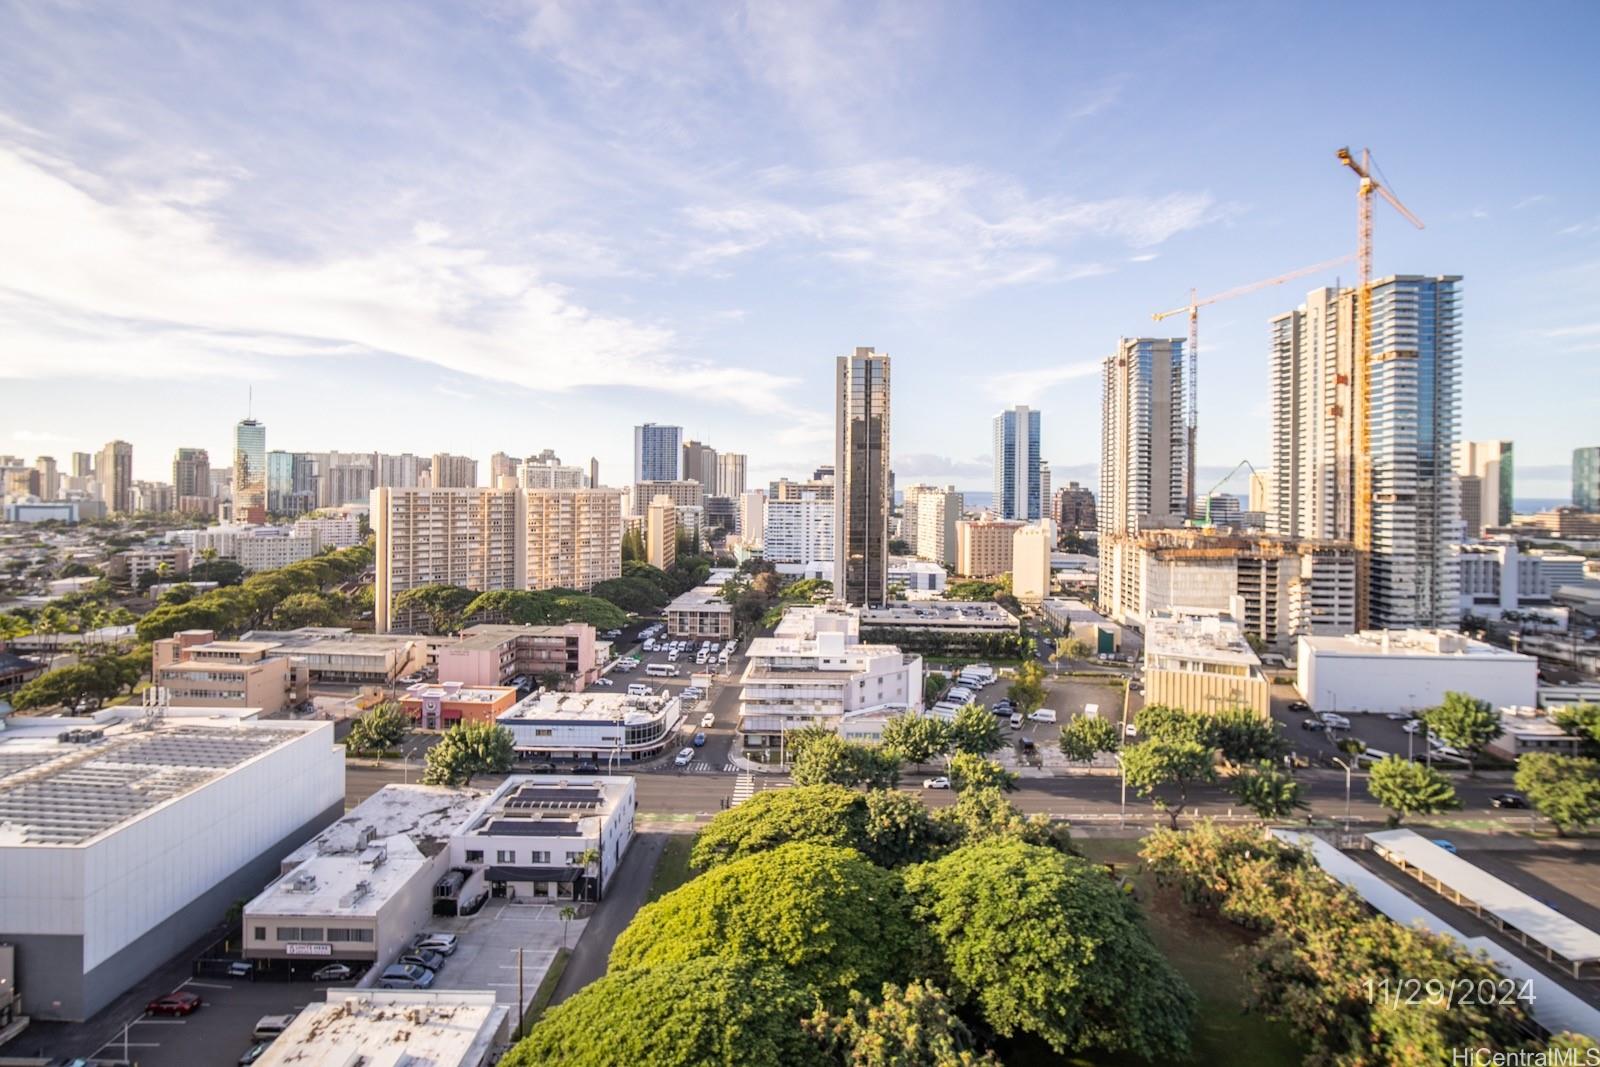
1403, 670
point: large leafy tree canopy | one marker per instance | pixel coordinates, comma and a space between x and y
466, 750
1046, 943
828, 916
1565, 789
1408, 788
1465, 722
916, 1025
816, 814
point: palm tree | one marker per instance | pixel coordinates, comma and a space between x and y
591, 857
567, 914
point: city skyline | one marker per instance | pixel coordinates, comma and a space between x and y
1047, 240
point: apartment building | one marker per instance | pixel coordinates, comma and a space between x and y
113, 470
1017, 465
536, 473
472, 538
1201, 662
250, 471
984, 546
574, 537
1487, 479
816, 672
453, 472
1074, 508
799, 532
269, 548
661, 532
1031, 546
930, 515
702, 614
191, 472
864, 494
731, 473
1497, 576
1586, 479
700, 464
491, 654
329, 530
683, 492
657, 453
195, 670
132, 566
752, 526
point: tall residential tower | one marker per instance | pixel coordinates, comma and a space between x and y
1016, 465
861, 471
657, 453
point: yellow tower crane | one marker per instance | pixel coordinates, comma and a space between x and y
1361, 362
1192, 308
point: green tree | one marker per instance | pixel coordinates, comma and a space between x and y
1565, 789
715, 1010
1044, 943
633, 548
1408, 788
828, 916
1162, 723
826, 814
1582, 720
1028, 689
912, 1027
310, 609
975, 731
381, 729
1164, 771
916, 739
466, 750
631, 594
899, 830
1465, 722
1268, 790
969, 771
981, 814
221, 571
1245, 737
823, 757
440, 604
932, 685
1085, 737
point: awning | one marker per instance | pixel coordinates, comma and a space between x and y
533, 874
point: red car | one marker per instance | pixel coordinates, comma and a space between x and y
173, 1004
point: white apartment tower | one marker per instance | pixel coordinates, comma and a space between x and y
467, 537
1143, 455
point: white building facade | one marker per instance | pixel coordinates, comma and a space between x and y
1388, 671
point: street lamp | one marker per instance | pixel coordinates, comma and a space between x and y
405, 765
1122, 806
1348, 767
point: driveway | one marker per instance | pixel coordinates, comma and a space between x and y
624, 897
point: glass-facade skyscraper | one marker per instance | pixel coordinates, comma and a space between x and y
657, 453
250, 471
1586, 478
861, 478
1018, 493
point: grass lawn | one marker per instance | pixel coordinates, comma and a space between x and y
547, 988
1205, 953
672, 869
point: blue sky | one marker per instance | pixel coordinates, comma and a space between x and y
510, 226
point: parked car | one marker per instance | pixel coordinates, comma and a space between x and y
700, 739
333, 972
1016, 720
241, 969
254, 1053
940, 782
424, 958
1446, 845
1507, 800
543, 768
586, 767
1413, 726
1299, 707
604, 681
1311, 724
405, 976
443, 944
707, 721
1335, 721
268, 1027
683, 758
1043, 715
178, 1003
471, 906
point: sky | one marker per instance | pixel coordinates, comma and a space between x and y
508, 226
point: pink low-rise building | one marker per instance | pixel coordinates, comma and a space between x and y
492, 654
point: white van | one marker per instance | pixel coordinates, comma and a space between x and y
1016, 720
271, 1026
660, 670
1043, 715
639, 689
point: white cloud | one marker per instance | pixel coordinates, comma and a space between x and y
38, 436
1030, 386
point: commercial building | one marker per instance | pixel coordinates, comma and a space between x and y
1031, 548
66, 511
468, 537
657, 453
337, 654
1406, 670
861, 463
721, 512
984, 546
124, 839
544, 837
600, 726
1527, 729
1074, 508
1586, 478
574, 537
817, 672
249, 471
661, 532
798, 531
1201, 662
1557, 522
916, 575
491, 654
456, 1028
731, 473
191, 472
195, 670
453, 472
945, 626
49, 477
932, 514
1016, 465
1497, 576
114, 471
701, 613
1143, 454
700, 464
1487, 480
1078, 621
441, 705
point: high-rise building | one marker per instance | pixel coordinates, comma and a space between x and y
1016, 464
657, 454
1074, 508
1586, 479
661, 532
473, 538
574, 537
502, 466
397, 472
1044, 487
82, 465
49, 477
817, 488
1486, 473
594, 472
752, 516
937, 511
1143, 453
454, 472
799, 531
684, 493
549, 474
984, 546
1409, 432
861, 465
1031, 546
191, 472
730, 474
700, 464
249, 471
114, 471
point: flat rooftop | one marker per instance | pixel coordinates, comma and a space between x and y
493, 635
332, 639
703, 598
58, 791
1414, 643
458, 693
551, 805
390, 1028
352, 883
939, 611
1205, 637
588, 706
427, 814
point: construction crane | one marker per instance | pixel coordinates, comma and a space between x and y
1206, 521
1360, 364
1193, 307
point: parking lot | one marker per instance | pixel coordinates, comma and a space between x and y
487, 944
721, 700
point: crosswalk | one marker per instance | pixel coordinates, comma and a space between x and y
698, 767
744, 787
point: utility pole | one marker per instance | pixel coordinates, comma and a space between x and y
521, 1005
1347, 769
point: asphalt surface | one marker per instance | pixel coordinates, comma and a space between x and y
624, 897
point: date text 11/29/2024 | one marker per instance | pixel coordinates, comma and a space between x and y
1462, 992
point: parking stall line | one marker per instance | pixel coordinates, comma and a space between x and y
207, 985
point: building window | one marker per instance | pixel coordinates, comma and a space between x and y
261, 933
540, 857
506, 855
573, 858
474, 855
